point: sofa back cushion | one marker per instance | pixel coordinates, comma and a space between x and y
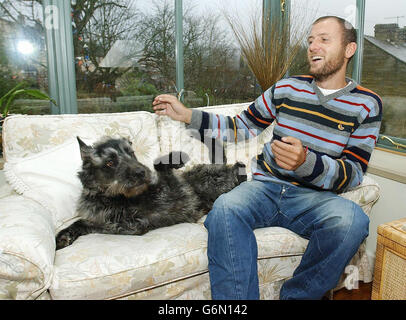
43, 158
174, 136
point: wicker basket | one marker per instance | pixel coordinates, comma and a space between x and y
390, 266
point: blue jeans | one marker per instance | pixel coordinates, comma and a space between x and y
334, 226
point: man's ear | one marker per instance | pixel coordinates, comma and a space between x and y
350, 49
85, 150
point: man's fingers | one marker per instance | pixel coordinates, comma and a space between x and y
282, 145
288, 154
161, 106
284, 151
283, 164
292, 141
164, 98
277, 150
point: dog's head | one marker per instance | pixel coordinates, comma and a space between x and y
111, 168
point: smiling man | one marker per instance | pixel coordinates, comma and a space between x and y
326, 127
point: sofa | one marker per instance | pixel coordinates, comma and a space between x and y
41, 161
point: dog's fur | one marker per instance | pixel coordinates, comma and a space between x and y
123, 196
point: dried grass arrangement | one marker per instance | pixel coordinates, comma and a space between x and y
269, 48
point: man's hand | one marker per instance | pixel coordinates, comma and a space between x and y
170, 106
289, 153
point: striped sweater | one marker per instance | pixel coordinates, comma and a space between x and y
340, 131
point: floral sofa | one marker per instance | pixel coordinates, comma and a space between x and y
41, 161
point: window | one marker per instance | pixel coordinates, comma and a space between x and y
215, 71
384, 67
124, 54
23, 53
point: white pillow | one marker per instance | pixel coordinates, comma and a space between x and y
50, 178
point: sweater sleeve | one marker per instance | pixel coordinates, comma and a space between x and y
246, 125
346, 172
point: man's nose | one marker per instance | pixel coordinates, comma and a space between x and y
314, 46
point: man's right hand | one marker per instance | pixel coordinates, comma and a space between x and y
170, 106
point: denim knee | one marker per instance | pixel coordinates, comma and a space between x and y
353, 223
360, 222
228, 209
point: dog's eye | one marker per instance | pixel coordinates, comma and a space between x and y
110, 164
129, 151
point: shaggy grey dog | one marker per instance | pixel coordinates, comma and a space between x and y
123, 196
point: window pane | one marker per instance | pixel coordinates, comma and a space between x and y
23, 55
384, 67
124, 53
215, 72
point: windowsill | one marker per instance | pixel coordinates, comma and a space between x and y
388, 165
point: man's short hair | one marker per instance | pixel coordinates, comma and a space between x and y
349, 32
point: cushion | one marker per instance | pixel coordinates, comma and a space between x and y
243, 151
26, 135
98, 266
49, 176
27, 248
174, 136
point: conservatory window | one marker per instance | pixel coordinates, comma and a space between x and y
23, 56
115, 56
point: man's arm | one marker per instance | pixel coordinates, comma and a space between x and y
248, 124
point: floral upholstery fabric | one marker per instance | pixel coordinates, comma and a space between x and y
167, 263
27, 248
28, 135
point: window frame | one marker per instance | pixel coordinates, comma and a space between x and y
61, 72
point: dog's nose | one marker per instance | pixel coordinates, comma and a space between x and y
140, 172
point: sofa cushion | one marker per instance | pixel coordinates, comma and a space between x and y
116, 266
26, 135
50, 175
173, 135
27, 248
111, 266
243, 151
50, 178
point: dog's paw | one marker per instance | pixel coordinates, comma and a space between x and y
241, 172
63, 240
173, 160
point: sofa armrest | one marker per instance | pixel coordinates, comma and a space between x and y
27, 248
365, 195
359, 267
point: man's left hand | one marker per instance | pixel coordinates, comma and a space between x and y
289, 153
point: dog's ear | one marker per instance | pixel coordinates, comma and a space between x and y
85, 150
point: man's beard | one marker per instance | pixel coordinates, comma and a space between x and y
329, 68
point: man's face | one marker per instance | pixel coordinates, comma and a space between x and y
326, 52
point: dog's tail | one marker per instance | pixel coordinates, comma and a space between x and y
173, 160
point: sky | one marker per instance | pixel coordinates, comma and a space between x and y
377, 11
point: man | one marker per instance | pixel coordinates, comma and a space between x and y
326, 127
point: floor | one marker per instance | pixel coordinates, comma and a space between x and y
362, 293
